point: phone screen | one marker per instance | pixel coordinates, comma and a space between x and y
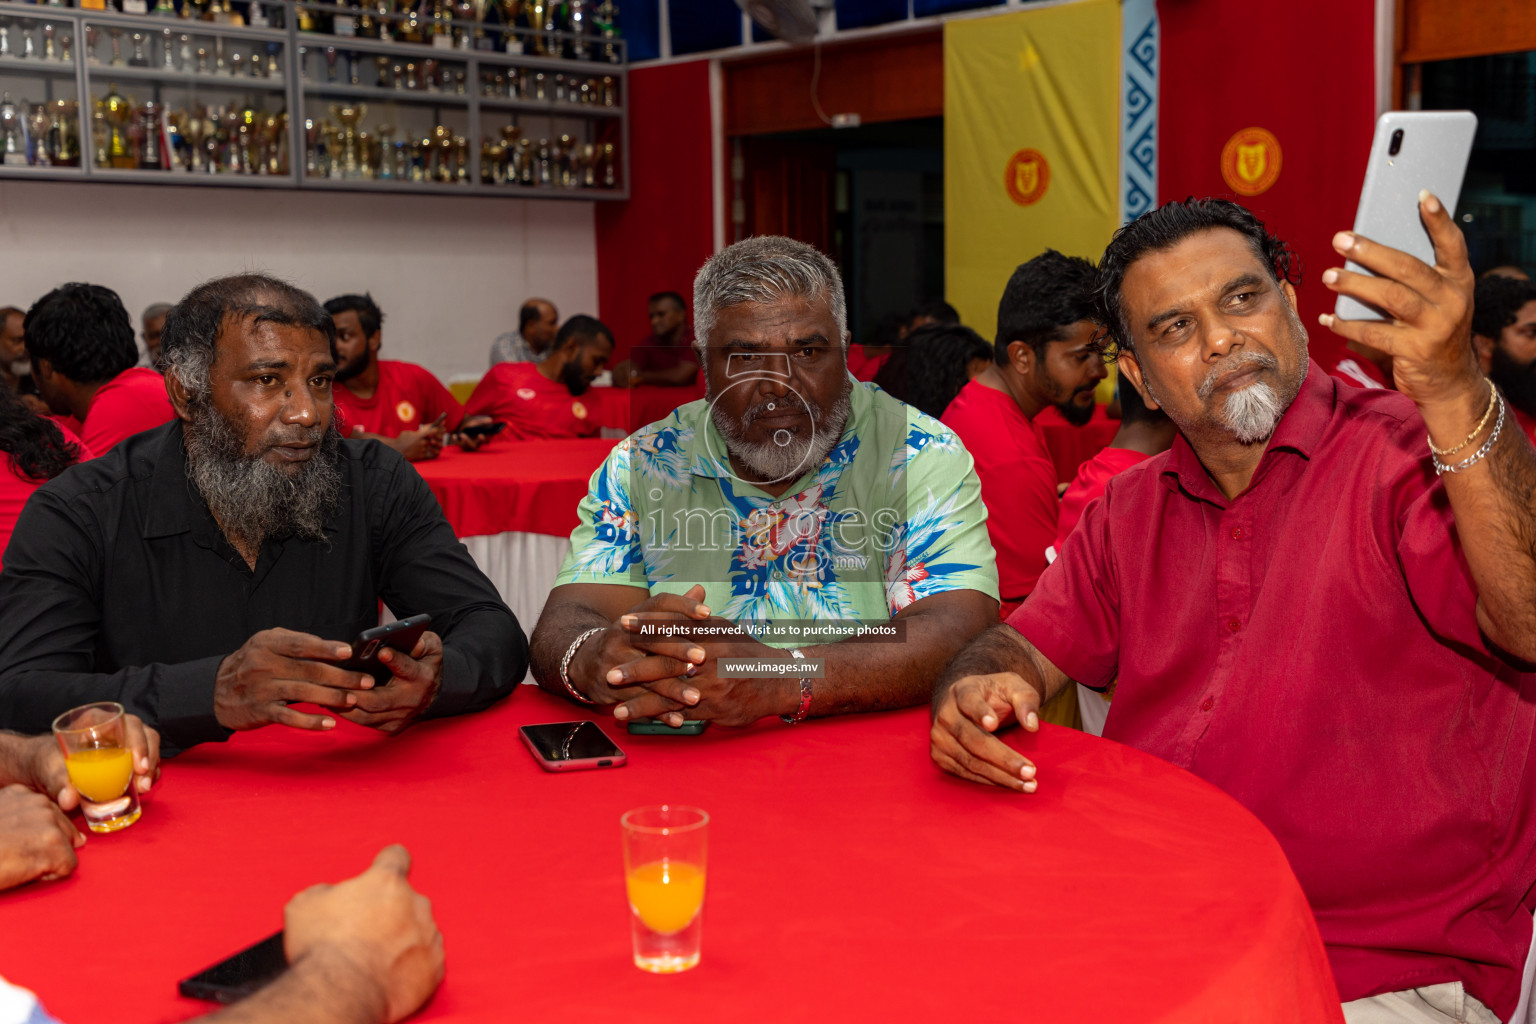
240, 975
570, 741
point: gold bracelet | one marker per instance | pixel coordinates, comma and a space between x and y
1493, 400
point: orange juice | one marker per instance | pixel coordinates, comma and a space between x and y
666, 894
101, 774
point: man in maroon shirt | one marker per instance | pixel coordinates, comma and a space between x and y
1504, 337
666, 358
1300, 610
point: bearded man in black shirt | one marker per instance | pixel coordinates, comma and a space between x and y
209, 573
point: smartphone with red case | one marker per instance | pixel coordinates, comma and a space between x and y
571, 746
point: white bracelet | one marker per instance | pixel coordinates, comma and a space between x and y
565, 664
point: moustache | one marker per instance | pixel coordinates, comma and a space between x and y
1231, 365
298, 435
790, 402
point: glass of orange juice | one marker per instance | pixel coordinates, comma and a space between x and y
664, 850
94, 740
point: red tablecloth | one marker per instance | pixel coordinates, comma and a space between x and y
530, 486
632, 408
848, 879
1072, 446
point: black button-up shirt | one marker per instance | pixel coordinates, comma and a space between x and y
119, 585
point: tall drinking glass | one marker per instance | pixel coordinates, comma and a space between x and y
95, 743
664, 849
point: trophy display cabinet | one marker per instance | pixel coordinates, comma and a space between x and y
472, 97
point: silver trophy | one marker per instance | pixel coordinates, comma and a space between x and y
168, 48
138, 59
13, 132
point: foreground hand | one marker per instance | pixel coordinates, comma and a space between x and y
36, 839
1429, 335
278, 667
962, 741
46, 772
415, 680
660, 670
379, 924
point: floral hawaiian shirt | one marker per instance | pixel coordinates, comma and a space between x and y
892, 515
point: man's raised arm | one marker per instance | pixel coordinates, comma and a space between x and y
1492, 489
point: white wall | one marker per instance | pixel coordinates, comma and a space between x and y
449, 272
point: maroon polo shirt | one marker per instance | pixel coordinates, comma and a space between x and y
1311, 647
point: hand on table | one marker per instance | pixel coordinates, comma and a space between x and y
42, 762
37, 840
1429, 337
420, 445
469, 442
377, 923
414, 681
962, 739
278, 667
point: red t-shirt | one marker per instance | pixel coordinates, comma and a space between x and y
1311, 647
15, 489
1018, 482
131, 402
1332, 353
531, 405
407, 396
654, 354
862, 365
1089, 484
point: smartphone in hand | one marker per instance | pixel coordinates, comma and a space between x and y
400, 635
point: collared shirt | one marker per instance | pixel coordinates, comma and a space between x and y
534, 407
512, 348
656, 354
407, 396
118, 585
131, 402
890, 516
1018, 481
1311, 647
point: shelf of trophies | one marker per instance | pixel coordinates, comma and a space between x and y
502, 97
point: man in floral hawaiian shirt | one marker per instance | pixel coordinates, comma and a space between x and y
837, 534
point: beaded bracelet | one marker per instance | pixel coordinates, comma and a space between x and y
565, 664
1493, 396
1477, 456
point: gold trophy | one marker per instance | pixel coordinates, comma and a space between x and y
119, 112
349, 115
63, 142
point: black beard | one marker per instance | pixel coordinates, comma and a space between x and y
354, 367
1517, 381
571, 377
252, 499
1077, 415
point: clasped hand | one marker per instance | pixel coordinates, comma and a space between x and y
676, 678
278, 667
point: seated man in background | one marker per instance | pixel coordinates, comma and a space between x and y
1302, 608
85, 364
209, 573
15, 367
1504, 337
537, 322
543, 400
665, 358
399, 404
1047, 353
154, 325
801, 504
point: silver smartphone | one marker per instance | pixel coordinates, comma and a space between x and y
1412, 150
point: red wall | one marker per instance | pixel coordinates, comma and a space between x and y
659, 238
1305, 71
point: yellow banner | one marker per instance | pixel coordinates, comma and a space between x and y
1031, 145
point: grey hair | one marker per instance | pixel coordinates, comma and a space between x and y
766, 268
158, 309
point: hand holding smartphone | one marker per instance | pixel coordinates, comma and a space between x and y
400, 635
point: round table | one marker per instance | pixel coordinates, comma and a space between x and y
514, 486
629, 409
848, 879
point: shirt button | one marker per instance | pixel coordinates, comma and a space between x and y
1237, 532
1207, 704
1233, 625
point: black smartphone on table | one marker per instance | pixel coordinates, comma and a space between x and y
401, 635
232, 980
656, 727
483, 429
571, 746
